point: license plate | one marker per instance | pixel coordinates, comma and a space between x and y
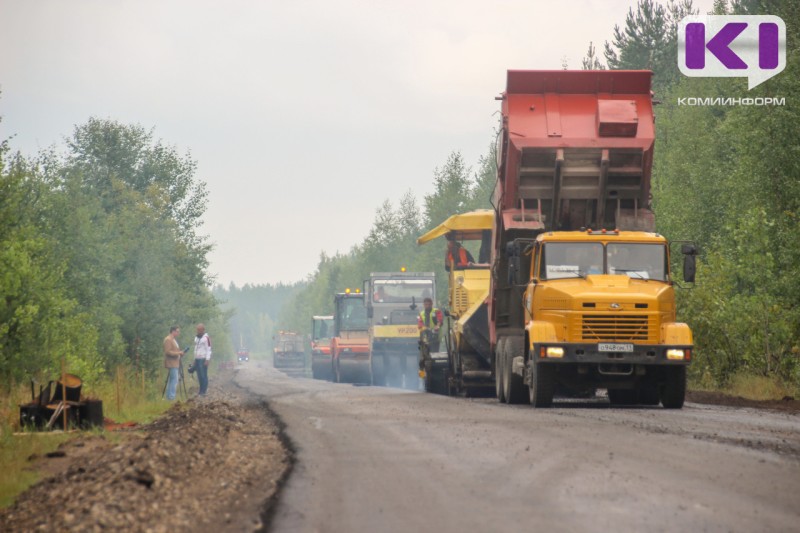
611, 347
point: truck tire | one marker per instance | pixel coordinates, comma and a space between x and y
499, 357
514, 384
543, 384
674, 391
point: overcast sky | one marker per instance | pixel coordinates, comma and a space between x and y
303, 116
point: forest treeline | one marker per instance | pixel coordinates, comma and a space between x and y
99, 254
726, 177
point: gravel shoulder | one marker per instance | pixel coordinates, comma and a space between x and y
787, 404
213, 464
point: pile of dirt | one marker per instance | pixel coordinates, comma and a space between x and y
208, 464
787, 404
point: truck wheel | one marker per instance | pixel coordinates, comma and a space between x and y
499, 357
515, 384
674, 391
622, 396
543, 384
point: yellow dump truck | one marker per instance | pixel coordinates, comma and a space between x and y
569, 305
466, 365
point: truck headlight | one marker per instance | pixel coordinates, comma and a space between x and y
555, 352
674, 354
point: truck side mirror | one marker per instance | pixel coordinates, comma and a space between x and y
689, 252
689, 268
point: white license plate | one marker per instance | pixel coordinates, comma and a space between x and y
611, 347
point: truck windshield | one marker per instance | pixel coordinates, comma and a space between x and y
323, 327
401, 290
572, 260
637, 260
353, 314
563, 260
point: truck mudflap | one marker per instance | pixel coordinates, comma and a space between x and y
612, 353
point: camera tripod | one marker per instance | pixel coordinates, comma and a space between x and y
181, 383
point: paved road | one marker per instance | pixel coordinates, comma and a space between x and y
377, 459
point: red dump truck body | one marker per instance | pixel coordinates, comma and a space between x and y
575, 150
570, 138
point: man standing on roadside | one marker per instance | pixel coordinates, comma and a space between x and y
202, 356
172, 359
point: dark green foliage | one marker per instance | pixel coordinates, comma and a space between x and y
729, 177
100, 253
649, 40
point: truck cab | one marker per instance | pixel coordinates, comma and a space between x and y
288, 353
599, 311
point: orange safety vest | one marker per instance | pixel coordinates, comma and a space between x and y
462, 261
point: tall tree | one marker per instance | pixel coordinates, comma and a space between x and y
452, 190
591, 61
649, 40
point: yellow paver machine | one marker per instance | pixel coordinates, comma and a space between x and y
465, 367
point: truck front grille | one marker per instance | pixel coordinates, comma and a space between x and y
639, 328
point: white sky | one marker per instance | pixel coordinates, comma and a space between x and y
303, 116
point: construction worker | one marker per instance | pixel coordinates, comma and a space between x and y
457, 255
429, 321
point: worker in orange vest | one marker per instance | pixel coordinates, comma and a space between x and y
457, 255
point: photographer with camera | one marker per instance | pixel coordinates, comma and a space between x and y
202, 357
172, 360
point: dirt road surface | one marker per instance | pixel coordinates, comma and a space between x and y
378, 459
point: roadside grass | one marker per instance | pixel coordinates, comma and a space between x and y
127, 395
760, 388
751, 387
15, 451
